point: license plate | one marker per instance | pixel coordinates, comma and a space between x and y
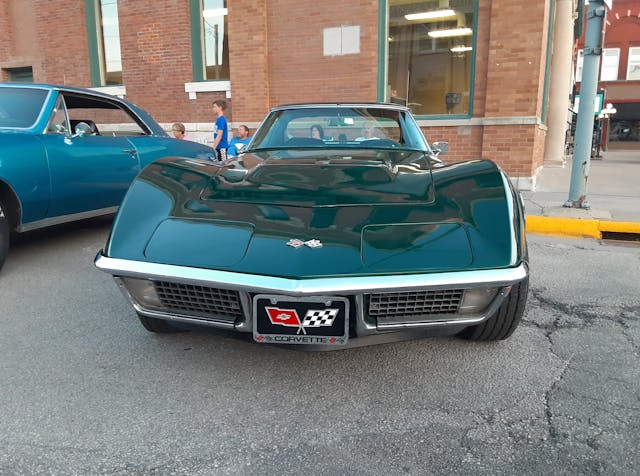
319, 320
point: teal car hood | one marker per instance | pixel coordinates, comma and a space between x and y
308, 216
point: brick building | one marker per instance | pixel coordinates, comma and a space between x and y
619, 79
474, 72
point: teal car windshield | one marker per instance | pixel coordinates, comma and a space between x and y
20, 107
341, 127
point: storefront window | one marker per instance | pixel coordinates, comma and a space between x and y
431, 55
216, 44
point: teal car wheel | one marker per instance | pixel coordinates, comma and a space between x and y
159, 326
502, 324
4, 236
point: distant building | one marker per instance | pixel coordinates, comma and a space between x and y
474, 72
619, 73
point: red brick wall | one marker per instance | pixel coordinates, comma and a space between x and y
298, 70
63, 58
517, 52
465, 142
19, 44
482, 58
156, 60
276, 57
6, 37
248, 52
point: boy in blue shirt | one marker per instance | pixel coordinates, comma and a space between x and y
220, 129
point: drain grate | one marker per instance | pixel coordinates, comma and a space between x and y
618, 236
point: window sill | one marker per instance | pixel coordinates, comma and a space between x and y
207, 87
120, 91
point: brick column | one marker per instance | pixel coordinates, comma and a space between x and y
156, 60
63, 56
248, 59
6, 38
515, 84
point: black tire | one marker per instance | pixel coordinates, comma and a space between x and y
159, 326
4, 236
502, 324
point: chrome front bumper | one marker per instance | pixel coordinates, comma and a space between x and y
357, 287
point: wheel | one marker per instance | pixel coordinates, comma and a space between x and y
4, 236
502, 324
159, 326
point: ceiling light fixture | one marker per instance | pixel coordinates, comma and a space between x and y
430, 15
450, 32
461, 49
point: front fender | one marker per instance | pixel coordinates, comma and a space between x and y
24, 169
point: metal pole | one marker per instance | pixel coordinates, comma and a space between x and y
586, 117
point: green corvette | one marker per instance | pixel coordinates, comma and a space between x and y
338, 226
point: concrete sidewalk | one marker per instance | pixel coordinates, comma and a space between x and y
612, 190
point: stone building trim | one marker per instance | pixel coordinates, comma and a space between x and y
207, 86
120, 91
484, 121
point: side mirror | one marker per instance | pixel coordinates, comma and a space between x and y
440, 148
82, 129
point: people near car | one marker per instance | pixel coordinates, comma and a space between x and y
239, 141
179, 131
220, 129
368, 132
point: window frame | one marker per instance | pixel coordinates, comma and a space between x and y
59, 106
198, 61
579, 65
97, 60
383, 61
637, 61
602, 66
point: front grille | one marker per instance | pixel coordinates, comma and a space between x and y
188, 298
411, 304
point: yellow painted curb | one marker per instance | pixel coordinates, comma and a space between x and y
578, 227
620, 226
575, 227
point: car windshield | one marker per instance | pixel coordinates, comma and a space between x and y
344, 127
20, 107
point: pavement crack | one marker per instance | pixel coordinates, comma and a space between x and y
583, 312
553, 431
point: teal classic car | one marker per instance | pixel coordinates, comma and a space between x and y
338, 226
70, 153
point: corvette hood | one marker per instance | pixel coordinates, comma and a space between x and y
304, 217
321, 181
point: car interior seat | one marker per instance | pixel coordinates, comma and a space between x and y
89, 122
303, 142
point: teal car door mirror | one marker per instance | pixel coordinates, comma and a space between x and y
440, 148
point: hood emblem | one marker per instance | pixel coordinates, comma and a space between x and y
296, 243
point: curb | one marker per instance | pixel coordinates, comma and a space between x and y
578, 227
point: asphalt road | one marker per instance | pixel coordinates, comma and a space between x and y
84, 389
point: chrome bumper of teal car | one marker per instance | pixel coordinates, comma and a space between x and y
223, 299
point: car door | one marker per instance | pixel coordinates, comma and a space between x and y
92, 172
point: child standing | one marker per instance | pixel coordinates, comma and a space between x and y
220, 129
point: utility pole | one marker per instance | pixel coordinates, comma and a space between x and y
596, 14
